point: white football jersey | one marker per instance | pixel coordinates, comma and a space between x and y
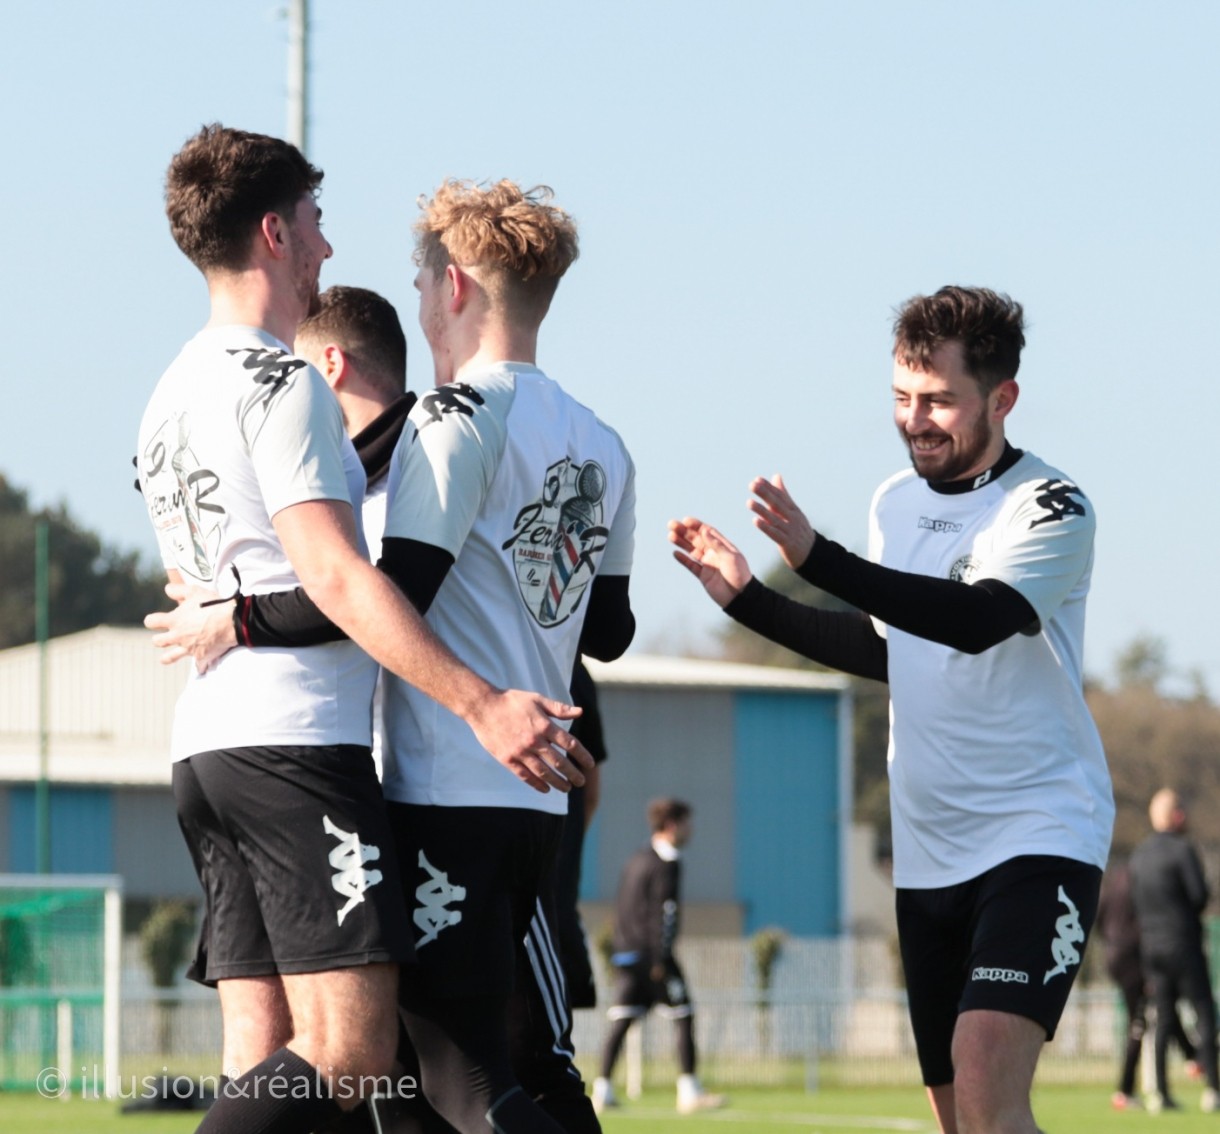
993, 755
532, 495
236, 430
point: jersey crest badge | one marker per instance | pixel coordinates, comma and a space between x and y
348, 858
964, 570
434, 895
558, 539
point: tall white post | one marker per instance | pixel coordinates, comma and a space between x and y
298, 74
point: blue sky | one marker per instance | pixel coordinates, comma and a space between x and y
757, 187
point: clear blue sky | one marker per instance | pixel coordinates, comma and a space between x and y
757, 186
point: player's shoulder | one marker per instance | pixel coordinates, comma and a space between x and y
1034, 484
477, 398
896, 486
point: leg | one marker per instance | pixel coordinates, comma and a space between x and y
1196, 986
540, 1030
994, 1057
1133, 1001
1165, 997
257, 1021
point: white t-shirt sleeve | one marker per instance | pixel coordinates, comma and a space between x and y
295, 438
620, 545
445, 466
876, 544
1047, 547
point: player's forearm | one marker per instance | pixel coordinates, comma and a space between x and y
843, 640
967, 617
376, 615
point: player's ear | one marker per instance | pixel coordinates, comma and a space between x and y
334, 365
271, 235
1004, 398
461, 287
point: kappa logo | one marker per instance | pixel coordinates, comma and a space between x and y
1058, 497
348, 859
448, 399
558, 538
434, 896
928, 524
272, 368
1003, 976
1063, 948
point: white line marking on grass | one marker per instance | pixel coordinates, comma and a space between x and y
774, 1118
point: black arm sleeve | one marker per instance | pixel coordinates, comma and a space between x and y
290, 618
843, 640
971, 617
609, 624
419, 569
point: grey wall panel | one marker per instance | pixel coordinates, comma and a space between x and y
149, 851
676, 742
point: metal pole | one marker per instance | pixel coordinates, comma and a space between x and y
42, 620
298, 74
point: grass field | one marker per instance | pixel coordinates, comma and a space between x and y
858, 1110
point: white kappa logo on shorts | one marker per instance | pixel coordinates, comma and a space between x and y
1063, 948
348, 858
434, 895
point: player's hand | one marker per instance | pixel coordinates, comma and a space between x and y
711, 558
779, 519
519, 730
191, 629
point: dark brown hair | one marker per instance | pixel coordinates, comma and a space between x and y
662, 812
222, 183
366, 326
989, 325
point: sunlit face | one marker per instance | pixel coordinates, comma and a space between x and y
309, 249
951, 429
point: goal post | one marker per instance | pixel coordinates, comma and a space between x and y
60, 973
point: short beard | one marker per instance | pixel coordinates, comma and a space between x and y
961, 462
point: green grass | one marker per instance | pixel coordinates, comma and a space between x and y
838, 1110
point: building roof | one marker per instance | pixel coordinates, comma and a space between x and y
703, 673
111, 704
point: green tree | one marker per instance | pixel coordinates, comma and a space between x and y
871, 788
91, 584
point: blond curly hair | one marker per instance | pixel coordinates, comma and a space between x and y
517, 242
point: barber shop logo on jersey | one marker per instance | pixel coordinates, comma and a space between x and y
176, 489
558, 538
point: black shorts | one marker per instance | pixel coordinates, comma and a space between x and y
1010, 941
635, 992
293, 850
471, 878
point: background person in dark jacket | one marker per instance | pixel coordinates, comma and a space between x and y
1170, 893
645, 929
1119, 930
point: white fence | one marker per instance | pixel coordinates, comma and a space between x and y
834, 1014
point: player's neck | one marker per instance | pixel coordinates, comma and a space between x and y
249, 299
498, 342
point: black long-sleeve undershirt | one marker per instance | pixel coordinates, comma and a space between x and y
967, 617
290, 618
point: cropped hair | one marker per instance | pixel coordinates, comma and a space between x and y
222, 183
662, 812
519, 242
989, 326
366, 326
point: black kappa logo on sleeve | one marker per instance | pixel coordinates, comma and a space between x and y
272, 368
448, 399
1058, 498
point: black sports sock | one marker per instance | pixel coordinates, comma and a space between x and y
282, 1095
685, 1027
614, 1043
